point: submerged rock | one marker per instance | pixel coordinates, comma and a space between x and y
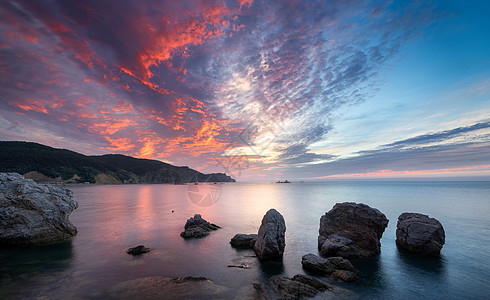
167, 288
351, 230
271, 242
197, 227
245, 241
336, 267
32, 213
138, 250
420, 234
284, 288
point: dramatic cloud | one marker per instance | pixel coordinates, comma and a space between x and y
211, 84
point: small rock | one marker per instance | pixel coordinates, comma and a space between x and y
351, 230
197, 227
241, 266
420, 234
329, 266
344, 275
271, 242
138, 250
245, 241
167, 288
298, 287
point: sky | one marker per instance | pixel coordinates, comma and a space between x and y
257, 89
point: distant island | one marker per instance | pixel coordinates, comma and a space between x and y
44, 163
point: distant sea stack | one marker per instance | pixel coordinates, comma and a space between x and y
47, 164
32, 213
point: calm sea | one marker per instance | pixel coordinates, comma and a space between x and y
112, 218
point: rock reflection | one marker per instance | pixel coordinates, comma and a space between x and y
429, 264
19, 264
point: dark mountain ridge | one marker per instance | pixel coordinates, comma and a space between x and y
44, 163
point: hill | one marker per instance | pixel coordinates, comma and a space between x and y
44, 163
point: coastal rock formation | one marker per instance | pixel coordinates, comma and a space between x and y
167, 288
245, 241
284, 288
138, 250
420, 234
336, 267
33, 213
351, 230
271, 238
197, 227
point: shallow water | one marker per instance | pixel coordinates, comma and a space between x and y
112, 218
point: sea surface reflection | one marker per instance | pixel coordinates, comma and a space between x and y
112, 218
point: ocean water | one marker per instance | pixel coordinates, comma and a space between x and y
112, 218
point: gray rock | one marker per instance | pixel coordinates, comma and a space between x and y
167, 288
138, 250
197, 227
419, 234
32, 213
271, 237
329, 266
246, 241
284, 288
351, 230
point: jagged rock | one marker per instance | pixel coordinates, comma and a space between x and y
420, 234
351, 230
271, 237
246, 241
329, 266
167, 288
197, 227
138, 250
32, 213
284, 288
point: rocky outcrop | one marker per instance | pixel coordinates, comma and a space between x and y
419, 234
337, 267
271, 237
32, 213
351, 230
167, 288
138, 250
244, 241
197, 227
284, 288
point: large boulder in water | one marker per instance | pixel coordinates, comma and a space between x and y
197, 227
420, 234
32, 213
271, 238
351, 230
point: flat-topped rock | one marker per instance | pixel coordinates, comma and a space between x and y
32, 213
167, 288
271, 239
197, 227
298, 287
336, 267
138, 250
244, 241
351, 230
418, 233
